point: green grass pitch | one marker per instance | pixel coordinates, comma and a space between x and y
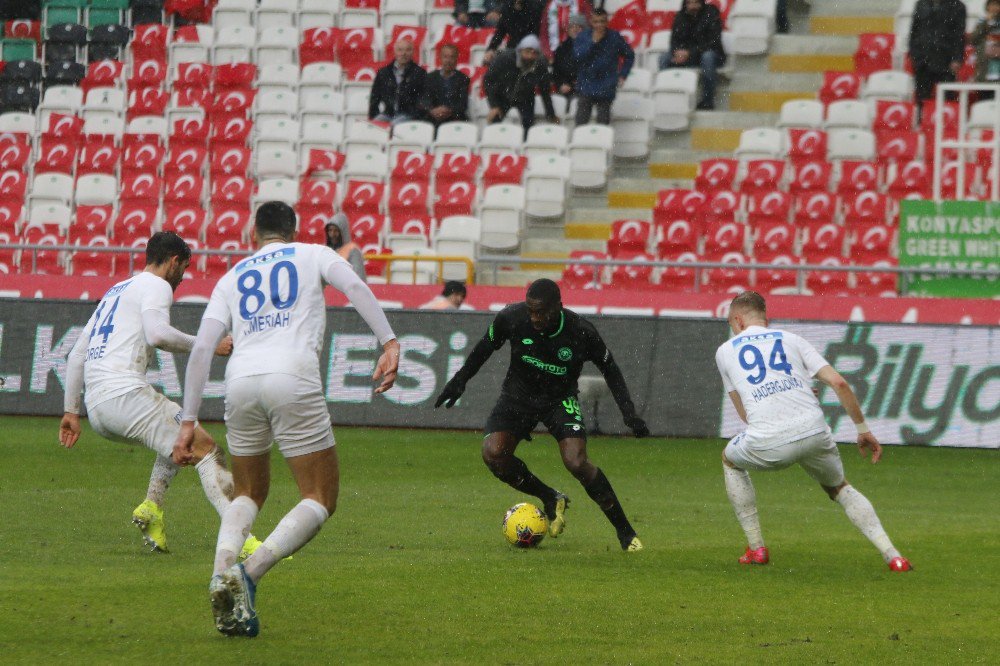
413, 568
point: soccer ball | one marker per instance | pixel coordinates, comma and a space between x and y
524, 525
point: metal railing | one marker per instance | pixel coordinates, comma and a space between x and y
962, 143
414, 259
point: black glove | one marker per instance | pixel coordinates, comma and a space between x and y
637, 426
452, 391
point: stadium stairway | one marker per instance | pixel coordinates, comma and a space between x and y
823, 37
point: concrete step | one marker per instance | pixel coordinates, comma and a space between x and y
851, 25
768, 82
769, 101
584, 218
853, 7
514, 277
791, 62
813, 44
731, 120
557, 248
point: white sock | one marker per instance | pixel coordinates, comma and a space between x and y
744, 501
216, 480
295, 530
861, 512
236, 523
163, 473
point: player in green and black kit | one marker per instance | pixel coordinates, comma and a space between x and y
549, 346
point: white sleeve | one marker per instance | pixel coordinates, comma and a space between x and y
210, 333
811, 359
218, 304
155, 312
341, 276
74, 372
720, 362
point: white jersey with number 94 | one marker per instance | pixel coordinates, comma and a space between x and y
772, 371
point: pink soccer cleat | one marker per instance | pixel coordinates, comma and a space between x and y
900, 564
759, 556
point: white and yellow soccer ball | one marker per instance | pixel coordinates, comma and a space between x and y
525, 525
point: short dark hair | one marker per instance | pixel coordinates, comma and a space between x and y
750, 300
275, 218
545, 290
454, 47
165, 245
453, 287
599, 11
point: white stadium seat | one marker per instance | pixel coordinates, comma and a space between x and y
674, 93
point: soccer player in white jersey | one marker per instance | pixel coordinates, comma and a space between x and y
767, 373
111, 356
273, 303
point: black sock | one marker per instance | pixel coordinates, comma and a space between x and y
512, 471
600, 491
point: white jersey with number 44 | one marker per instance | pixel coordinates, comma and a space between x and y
273, 303
772, 371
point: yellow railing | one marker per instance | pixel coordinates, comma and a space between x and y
440, 260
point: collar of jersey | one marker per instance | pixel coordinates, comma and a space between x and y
562, 321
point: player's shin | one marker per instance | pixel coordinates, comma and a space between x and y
512, 471
216, 480
295, 530
237, 520
163, 473
599, 489
744, 501
861, 512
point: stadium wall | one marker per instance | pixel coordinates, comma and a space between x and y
937, 385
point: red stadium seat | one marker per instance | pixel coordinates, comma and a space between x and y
879, 284
89, 262
184, 188
806, 145
102, 74
363, 197
763, 176
893, 116
408, 198
412, 33
90, 221
678, 203
773, 278
188, 221
23, 29
867, 208
185, 161
190, 132
192, 75
949, 180
13, 156
773, 238
829, 283
226, 224
722, 238
769, 207
630, 276
839, 85
141, 188
234, 131
456, 167
858, 176
98, 158
411, 167
63, 126
318, 192
628, 237
716, 174
870, 243
504, 169
55, 156
13, 185
676, 237
229, 161
815, 208
722, 205
324, 162
216, 265
733, 279
147, 102
135, 220
356, 46
233, 103
312, 223
902, 146
456, 198
147, 74
11, 217
874, 52
678, 278
42, 262
419, 223
579, 276
810, 177
909, 178
318, 45
149, 42
367, 229
234, 76
821, 241
231, 191
142, 158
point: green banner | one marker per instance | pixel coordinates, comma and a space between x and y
951, 234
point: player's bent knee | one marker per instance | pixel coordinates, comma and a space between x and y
833, 491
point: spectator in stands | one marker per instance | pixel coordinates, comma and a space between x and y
605, 59
555, 22
512, 79
564, 64
447, 89
696, 41
518, 19
399, 88
338, 238
937, 45
451, 298
477, 13
986, 39
12, 10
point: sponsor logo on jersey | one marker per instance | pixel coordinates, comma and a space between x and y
542, 365
270, 257
759, 337
565, 353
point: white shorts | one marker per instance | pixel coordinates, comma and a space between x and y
142, 416
276, 408
817, 454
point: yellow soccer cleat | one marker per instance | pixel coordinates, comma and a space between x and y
249, 546
555, 511
148, 517
632, 546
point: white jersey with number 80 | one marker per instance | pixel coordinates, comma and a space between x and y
772, 371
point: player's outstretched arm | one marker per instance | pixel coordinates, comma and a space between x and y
210, 334
866, 440
605, 362
69, 427
160, 334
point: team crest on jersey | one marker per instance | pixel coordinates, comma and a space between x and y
565, 354
527, 341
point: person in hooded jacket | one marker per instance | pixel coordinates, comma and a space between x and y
338, 238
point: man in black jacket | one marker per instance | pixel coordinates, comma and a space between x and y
564, 63
512, 79
447, 89
937, 44
518, 19
696, 41
399, 88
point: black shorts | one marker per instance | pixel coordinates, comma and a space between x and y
562, 419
